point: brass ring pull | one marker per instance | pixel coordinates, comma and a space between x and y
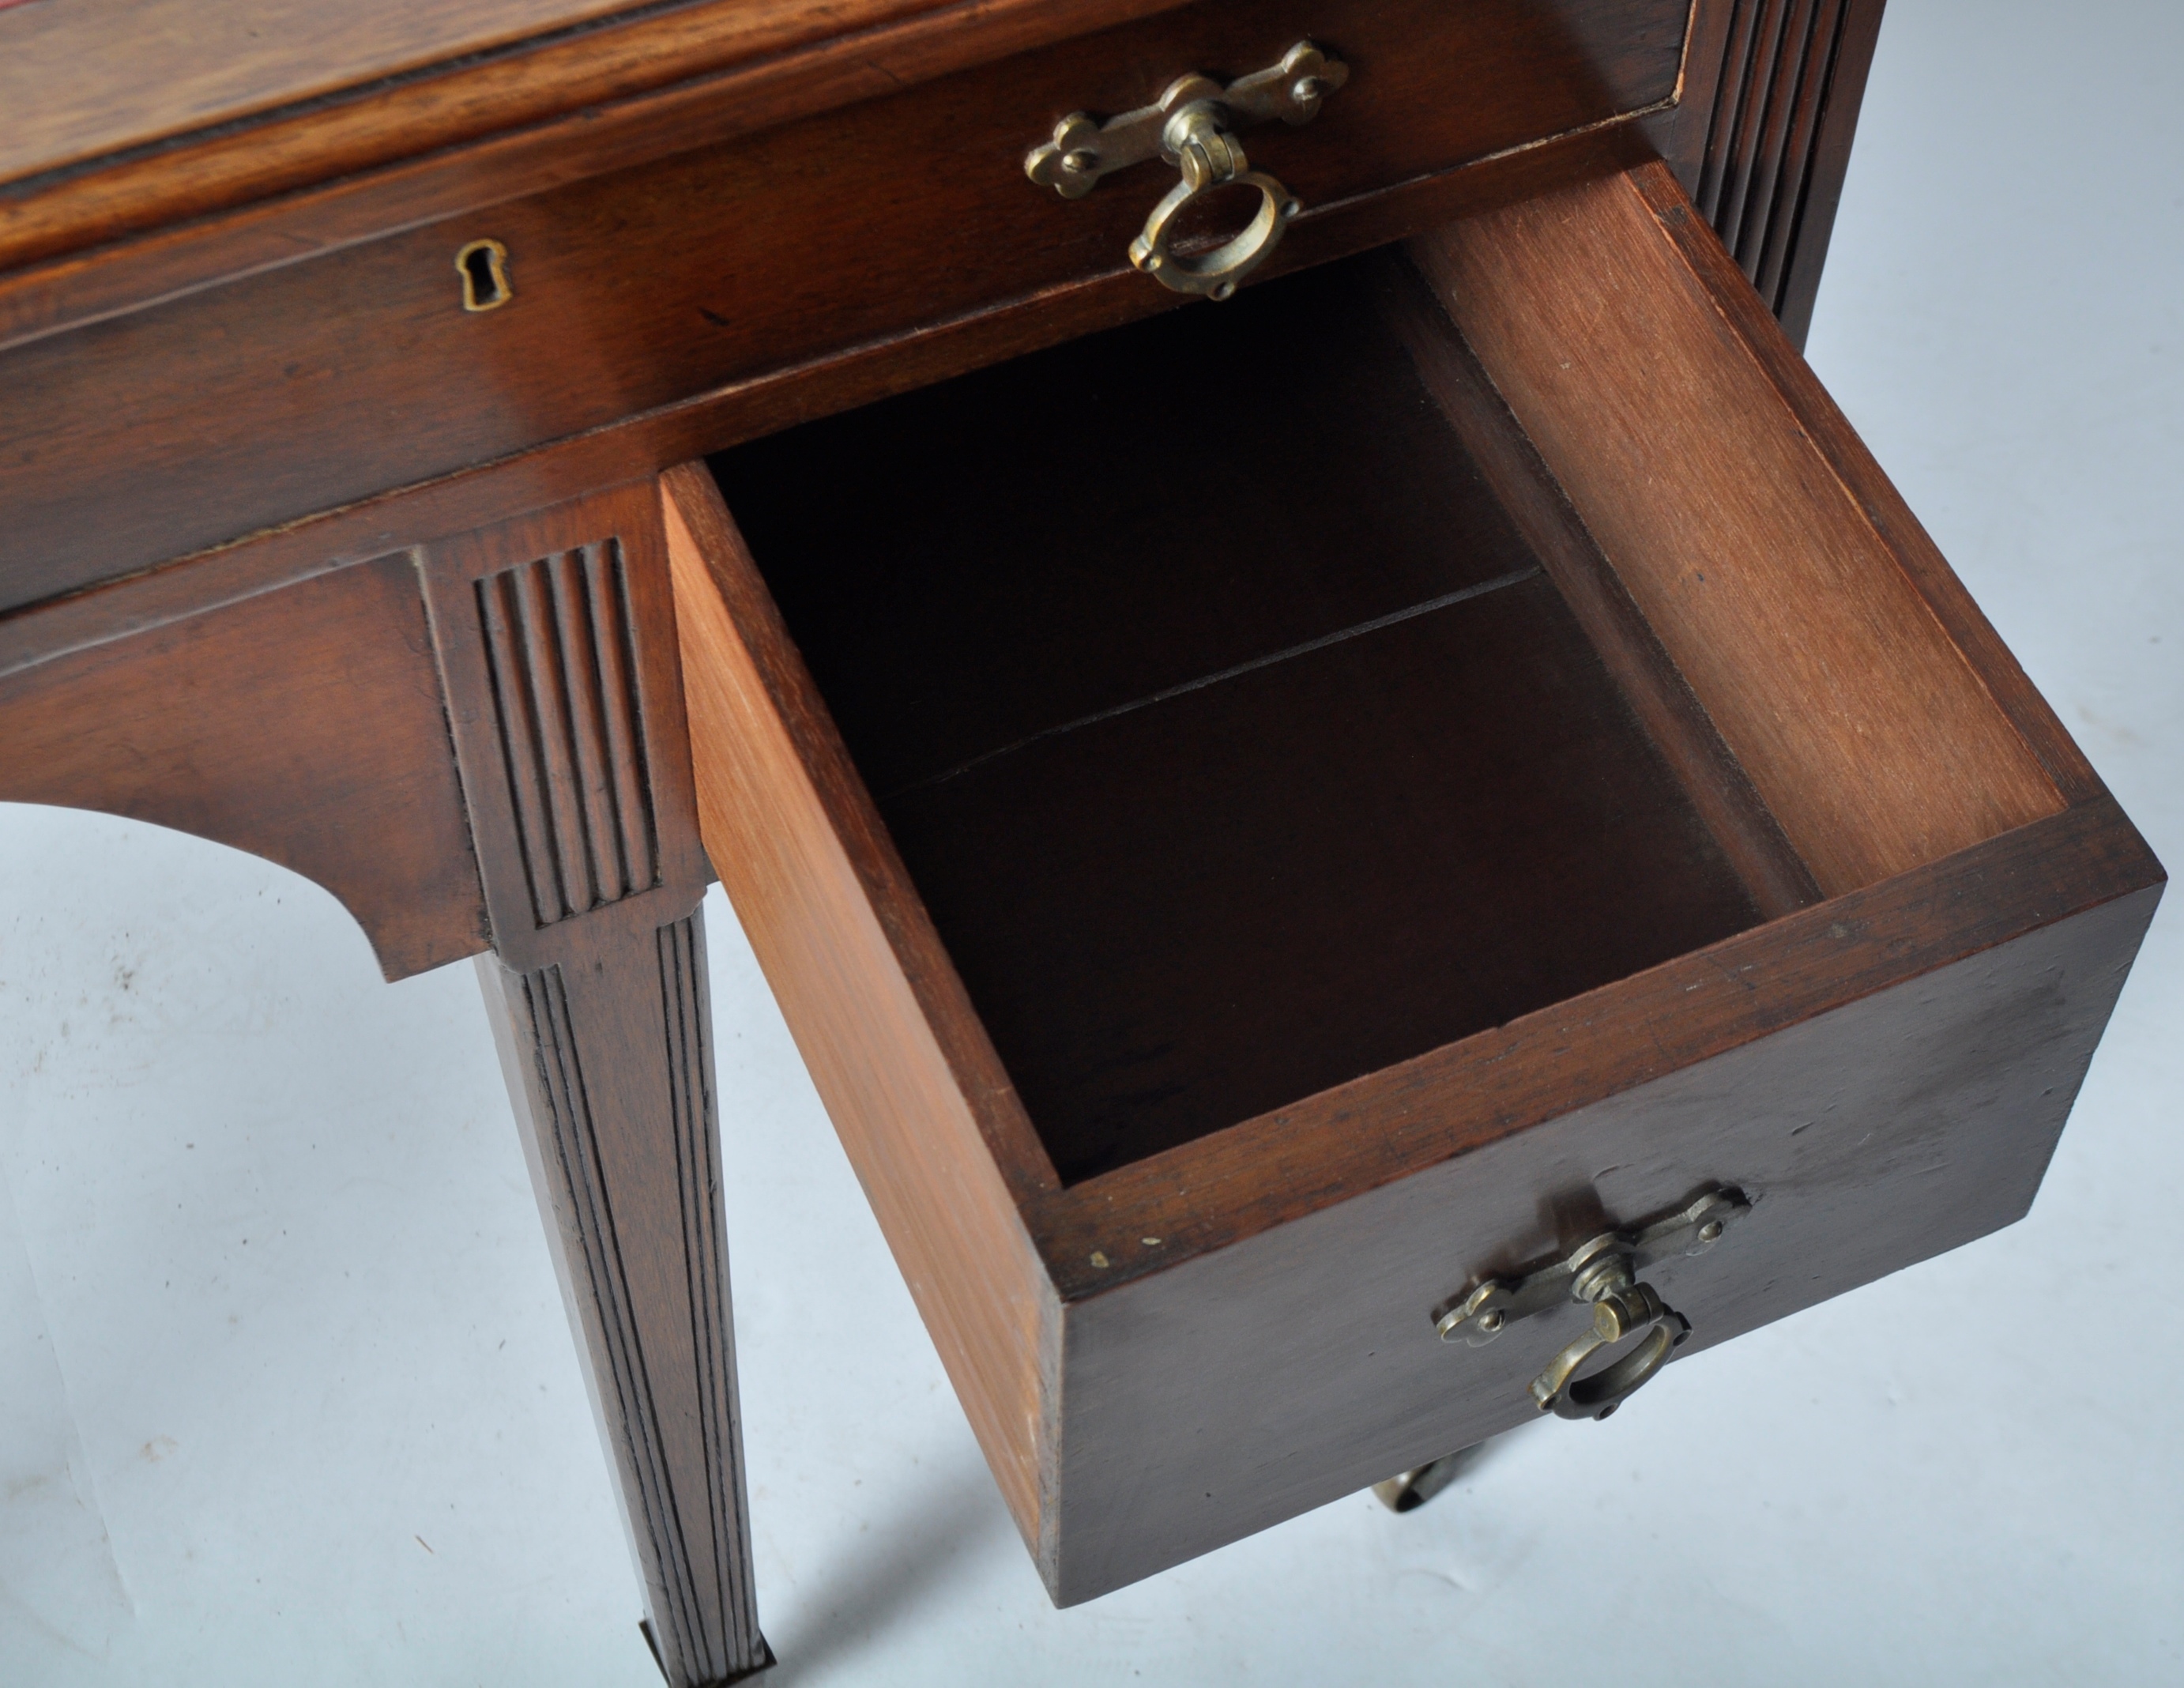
1193, 126
1210, 157
1623, 1309
1601, 1273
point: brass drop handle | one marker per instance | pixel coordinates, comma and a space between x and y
1193, 126
1621, 1308
1602, 1273
1210, 157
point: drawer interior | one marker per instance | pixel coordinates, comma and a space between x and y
1235, 739
1264, 819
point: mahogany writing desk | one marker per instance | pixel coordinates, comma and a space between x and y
354, 380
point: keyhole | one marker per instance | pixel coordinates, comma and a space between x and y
483, 266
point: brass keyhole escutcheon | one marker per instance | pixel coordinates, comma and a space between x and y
483, 266
1193, 128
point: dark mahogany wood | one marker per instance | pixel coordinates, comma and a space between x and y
1178, 898
1179, 919
1816, 418
1761, 139
980, 882
643, 444
81, 100
907, 1071
909, 48
285, 393
272, 173
302, 145
608, 1051
1696, 827
1873, 743
311, 724
305, 726
1907, 1122
556, 634
1772, 870
1232, 1186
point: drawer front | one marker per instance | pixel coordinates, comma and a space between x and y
1229, 936
1256, 1383
191, 423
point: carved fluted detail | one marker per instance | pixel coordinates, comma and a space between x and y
555, 635
563, 667
611, 1051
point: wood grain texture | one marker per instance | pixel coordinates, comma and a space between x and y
1322, 1150
556, 635
1772, 870
1215, 807
303, 725
608, 1054
1200, 1395
1211, 1400
1244, 1317
292, 391
564, 671
116, 600
924, 1108
92, 165
1764, 127
83, 78
1178, 919
86, 246
1875, 495
1784, 110
1869, 735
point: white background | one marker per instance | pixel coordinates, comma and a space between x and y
287, 1395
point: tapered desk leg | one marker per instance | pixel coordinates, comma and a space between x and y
556, 638
304, 724
609, 1058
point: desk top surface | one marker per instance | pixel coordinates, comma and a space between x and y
84, 78
87, 82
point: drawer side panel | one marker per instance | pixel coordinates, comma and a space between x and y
1867, 731
918, 1098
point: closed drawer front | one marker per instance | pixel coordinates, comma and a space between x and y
1268, 822
187, 423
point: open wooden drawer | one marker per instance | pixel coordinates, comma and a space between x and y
1269, 823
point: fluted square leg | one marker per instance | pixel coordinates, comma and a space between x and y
609, 1058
